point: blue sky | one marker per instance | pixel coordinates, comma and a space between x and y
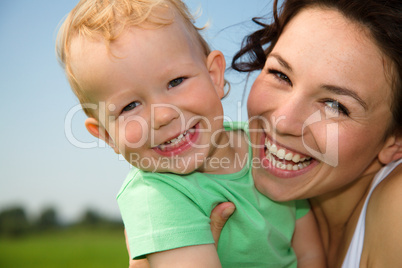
40, 164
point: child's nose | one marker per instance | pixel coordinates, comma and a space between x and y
163, 114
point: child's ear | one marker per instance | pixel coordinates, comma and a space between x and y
98, 131
392, 150
216, 65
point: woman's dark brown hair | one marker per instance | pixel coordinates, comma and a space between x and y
383, 18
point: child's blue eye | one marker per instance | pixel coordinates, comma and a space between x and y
175, 82
336, 107
131, 106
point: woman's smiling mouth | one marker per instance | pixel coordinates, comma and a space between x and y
283, 158
283, 162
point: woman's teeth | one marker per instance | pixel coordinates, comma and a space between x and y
293, 161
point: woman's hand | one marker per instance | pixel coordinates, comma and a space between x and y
139, 264
219, 215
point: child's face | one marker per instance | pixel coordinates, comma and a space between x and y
157, 96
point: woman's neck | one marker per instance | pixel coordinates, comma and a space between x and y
337, 214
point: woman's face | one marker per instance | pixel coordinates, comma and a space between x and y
319, 109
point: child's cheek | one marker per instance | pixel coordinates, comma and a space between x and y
134, 132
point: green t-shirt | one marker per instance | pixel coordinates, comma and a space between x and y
163, 211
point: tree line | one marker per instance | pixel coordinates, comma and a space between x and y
14, 222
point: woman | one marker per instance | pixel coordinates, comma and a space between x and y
326, 122
330, 90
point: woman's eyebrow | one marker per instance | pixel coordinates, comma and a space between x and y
347, 92
334, 89
281, 61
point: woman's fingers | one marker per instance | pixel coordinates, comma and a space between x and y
139, 263
219, 215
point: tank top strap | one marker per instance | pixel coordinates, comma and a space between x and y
353, 256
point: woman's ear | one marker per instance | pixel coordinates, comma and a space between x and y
216, 65
392, 150
98, 131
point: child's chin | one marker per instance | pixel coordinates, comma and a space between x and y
182, 171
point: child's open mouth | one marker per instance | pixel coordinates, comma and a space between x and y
178, 144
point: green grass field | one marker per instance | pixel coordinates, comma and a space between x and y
71, 248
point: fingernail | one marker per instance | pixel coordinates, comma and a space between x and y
227, 212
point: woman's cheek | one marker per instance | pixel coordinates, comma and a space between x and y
254, 103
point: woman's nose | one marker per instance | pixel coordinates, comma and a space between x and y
288, 116
163, 114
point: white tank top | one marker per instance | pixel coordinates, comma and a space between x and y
352, 259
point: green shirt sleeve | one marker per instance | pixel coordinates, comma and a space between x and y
160, 216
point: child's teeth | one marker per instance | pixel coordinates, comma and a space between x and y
177, 139
174, 141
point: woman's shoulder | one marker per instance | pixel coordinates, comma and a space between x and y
383, 234
389, 192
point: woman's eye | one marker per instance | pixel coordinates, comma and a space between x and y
281, 76
131, 106
336, 107
175, 82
